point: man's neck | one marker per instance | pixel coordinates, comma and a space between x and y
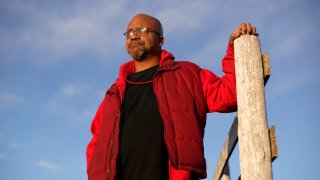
147, 63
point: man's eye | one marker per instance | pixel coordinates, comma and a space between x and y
130, 33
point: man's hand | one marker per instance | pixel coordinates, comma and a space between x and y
244, 28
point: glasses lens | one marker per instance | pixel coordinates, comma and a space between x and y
125, 35
140, 31
129, 33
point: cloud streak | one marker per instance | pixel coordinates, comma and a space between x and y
67, 32
14, 145
64, 103
50, 166
8, 100
2, 156
73, 89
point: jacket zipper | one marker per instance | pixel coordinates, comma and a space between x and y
113, 139
113, 147
164, 125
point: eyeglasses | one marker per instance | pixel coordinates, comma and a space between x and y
140, 31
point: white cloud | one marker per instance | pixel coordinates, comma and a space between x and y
72, 103
13, 145
73, 89
50, 166
211, 53
65, 96
287, 82
2, 156
177, 16
9, 100
60, 32
290, 43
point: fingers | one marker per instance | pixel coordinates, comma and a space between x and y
247, 28
243, 28
238, 32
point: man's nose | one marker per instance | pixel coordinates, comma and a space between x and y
134, 36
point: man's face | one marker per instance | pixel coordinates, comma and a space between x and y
141, 45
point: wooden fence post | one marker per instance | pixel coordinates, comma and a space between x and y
254, 145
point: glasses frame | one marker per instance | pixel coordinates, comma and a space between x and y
140, 31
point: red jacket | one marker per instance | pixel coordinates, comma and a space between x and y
185, 93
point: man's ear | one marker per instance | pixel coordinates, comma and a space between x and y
161, 41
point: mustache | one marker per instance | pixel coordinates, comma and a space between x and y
135, 42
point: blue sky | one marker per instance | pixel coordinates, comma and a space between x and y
57, 58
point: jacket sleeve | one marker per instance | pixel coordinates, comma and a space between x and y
95, 129
220, 93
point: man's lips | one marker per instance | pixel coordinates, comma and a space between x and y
133, 44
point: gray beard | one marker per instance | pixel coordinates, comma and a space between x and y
141, 55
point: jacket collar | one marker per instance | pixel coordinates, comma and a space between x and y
166, 64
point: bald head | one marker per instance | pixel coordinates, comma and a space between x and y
146, 21
144, 46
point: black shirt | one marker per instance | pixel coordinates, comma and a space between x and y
143, 154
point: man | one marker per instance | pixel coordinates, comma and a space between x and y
150, 125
